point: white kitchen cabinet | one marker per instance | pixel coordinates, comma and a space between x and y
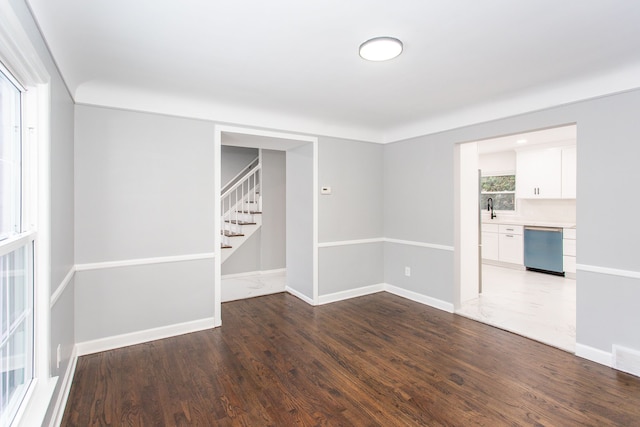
490, 246
504, 243
539, 173
569, 162
569, 250
511, 245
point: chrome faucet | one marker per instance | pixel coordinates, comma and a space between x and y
490, 207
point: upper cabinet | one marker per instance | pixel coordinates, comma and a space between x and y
569, 161
547, 173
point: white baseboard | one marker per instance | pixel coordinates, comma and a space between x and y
65, 389
626, 359
422, 299
300, 295
351, 293
594, 354
139, 337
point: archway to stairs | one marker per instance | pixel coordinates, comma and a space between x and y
299, 153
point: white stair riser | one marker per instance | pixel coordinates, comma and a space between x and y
236, 242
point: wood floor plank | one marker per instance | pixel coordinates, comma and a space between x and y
378, 360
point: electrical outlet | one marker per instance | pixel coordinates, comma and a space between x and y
58, 357
407, 271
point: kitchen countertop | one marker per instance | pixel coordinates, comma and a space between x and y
525, 221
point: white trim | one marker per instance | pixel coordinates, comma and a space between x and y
351, 242
299, 295
63, 285
594, 354
65, 389
385, 240
351, 293
35, 403
18, 54
139, 337
255, 273
267, 133
217, 224
609, 271
16, 242
422, 299
626, 359
538, 98
420, 244
316, 227
144, 261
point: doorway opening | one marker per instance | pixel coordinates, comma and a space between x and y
511, 190
298, 154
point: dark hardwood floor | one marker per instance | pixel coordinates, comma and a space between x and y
378, 360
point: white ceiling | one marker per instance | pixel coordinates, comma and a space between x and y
559, 136
291, 64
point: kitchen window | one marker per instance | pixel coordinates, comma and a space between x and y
500, 188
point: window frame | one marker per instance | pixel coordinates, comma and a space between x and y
22, 60
501, 173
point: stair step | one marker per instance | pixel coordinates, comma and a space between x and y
226, 246
250, 212
228, 233
233, 221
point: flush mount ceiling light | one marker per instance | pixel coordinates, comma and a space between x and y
381, 49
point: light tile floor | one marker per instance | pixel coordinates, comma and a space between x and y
252, 285
535, 305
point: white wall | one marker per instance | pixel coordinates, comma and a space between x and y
497, 163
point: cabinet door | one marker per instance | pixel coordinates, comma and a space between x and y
539, 174
511, 248
490, 246
569, 172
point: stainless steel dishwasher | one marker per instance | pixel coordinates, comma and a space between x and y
543, 249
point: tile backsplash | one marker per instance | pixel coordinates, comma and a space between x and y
547, 210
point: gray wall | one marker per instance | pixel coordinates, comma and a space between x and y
353, 169
299, 213
273, 251
144, 189
234, 160
353, 211
62, 203
608, 131
266, 249
116, 301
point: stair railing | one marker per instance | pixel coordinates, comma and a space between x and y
246, 189
241, 174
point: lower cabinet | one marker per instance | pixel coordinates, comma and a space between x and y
503, 243
569, 250
490, 246
511, 244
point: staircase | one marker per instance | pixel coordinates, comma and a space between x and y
241, 208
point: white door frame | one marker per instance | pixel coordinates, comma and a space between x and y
217, 164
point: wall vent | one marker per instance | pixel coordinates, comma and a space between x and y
626, 359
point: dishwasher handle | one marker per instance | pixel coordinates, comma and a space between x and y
552, 229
